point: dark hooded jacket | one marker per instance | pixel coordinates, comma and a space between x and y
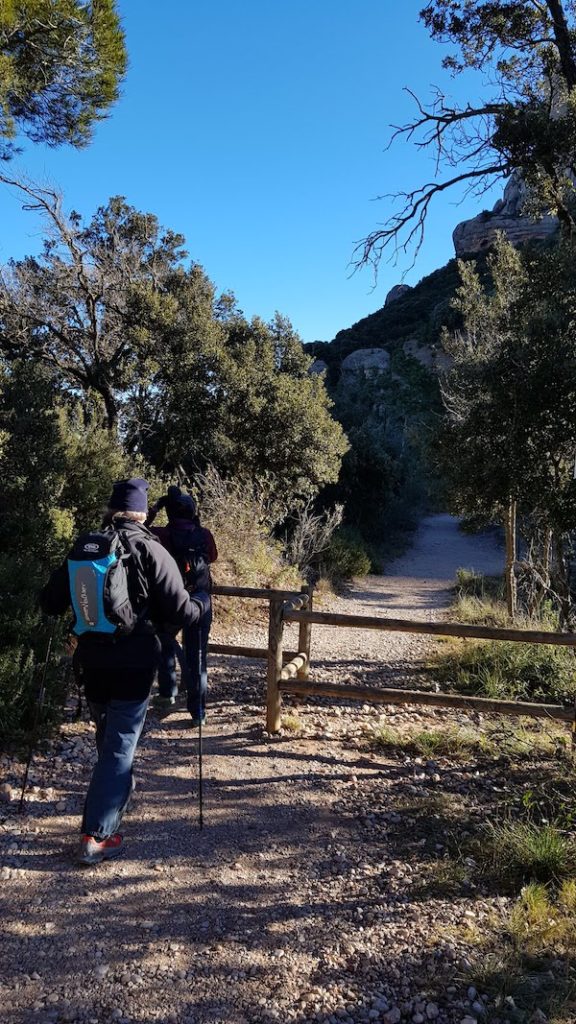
124, 669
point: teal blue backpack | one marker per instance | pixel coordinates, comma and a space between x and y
99, 585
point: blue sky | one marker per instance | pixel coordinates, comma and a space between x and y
258, 130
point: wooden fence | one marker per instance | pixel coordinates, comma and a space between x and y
288, 671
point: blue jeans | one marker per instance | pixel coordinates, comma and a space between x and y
193, 664
119, 724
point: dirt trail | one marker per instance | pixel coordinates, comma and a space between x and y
294, 903
415, 586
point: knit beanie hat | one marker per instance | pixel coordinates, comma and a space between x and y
179, 505
129, 495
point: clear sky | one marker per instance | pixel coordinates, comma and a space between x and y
258, 130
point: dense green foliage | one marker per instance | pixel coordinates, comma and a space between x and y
111, 310
346, 556
237, 395
509, 434
386, 475
117, 359
61, 63
57, 472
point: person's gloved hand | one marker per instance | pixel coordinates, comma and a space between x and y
155, 509
202, 600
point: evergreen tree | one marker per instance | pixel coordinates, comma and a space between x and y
61, 64
238, 395
509, 439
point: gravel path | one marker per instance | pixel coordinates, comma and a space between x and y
416, 586
300, 899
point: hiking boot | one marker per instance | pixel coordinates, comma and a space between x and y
197, 718
163, 703
92, 851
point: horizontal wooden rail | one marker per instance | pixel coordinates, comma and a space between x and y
439, 700
257, 593
248, 652
294, 666
526, 636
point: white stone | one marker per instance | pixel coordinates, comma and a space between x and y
433, 357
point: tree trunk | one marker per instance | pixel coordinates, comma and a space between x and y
545, 566
111, 421
562, 582
510, 574
563, 41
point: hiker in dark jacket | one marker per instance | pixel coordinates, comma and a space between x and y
118, 673
194, 549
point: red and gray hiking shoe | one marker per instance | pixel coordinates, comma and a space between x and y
92, 851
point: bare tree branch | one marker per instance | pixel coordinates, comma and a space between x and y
412, 216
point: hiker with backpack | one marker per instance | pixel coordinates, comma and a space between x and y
124, 588
194, 549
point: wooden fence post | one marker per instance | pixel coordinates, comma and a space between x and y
305, 635
275, 637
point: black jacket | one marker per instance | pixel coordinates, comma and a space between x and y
154, 583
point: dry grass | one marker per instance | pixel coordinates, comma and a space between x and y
494, 738
291, 723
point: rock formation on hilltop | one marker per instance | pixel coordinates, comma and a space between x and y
397, 292
369, 361
476, 235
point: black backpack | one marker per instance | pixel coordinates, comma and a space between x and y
99, 585
190, 552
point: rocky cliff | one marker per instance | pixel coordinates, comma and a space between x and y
477, 235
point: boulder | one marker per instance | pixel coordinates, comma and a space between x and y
473, 236
318, 367
397, 292
368, 361
433, 357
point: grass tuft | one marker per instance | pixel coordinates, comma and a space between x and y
291, 723
523, 851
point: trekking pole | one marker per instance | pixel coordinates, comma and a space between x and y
200, 788
201, 710
37, 712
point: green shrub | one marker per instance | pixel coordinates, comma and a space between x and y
346, 556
